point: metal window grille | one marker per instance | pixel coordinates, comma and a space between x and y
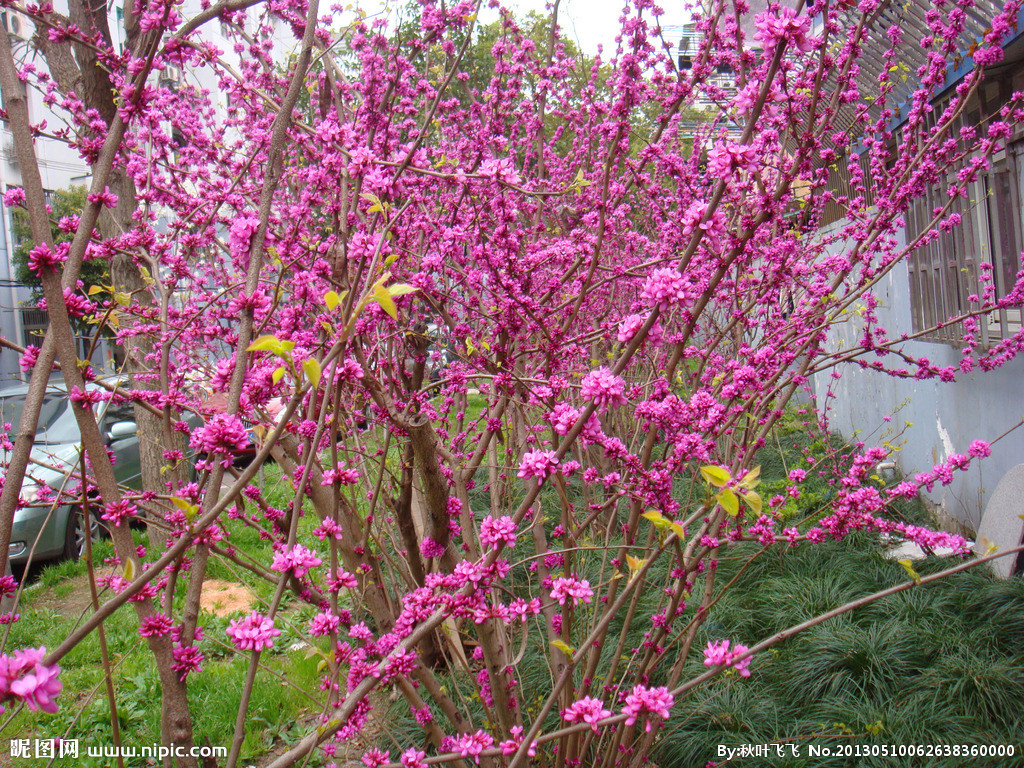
946, 272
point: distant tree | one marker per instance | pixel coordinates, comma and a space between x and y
65, 207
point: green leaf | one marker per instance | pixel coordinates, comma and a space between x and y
376, 206
909, 568
265, 344
716, 476
332, 299
753, 501
124, 299
564, 647
312, 369
634, 564
380, 293
730, 503
190, 509
659, 520
751, 480
277, 375
401, 289
129, 570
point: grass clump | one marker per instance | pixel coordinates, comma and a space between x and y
939, 663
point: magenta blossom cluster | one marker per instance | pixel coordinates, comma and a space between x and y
254, 632
463, 261
603, 387
647, 701
298, 559
43, 258
569, 589
538, 464
586, 710
667, 288
24, 677
498, 530
720, 654
223, 433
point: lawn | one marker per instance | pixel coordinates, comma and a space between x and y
938, 663
279, 711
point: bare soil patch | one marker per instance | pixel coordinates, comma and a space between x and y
222, 598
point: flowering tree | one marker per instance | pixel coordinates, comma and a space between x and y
516, 343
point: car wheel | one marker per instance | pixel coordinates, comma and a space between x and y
74, 535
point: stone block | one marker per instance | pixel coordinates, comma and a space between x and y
1001, 523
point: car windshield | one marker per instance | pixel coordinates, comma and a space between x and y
56, 419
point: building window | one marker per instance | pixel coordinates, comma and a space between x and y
945, 274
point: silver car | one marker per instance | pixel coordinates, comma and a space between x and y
46, 528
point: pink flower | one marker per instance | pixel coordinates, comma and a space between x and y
979, 449
565, 588
718, 654
655, 701
324, 624
187, 658
413, 758
28, 360
240, 236
297, 559
472, 744
774, 28
117, 512
43, 259
14, 196
253, 633
502, 170
726, 158
667, 288
511, 746
562, 417
156, 625
522, 610
630, 326
8, 585
38, 687
430, 548
494, 531
23, 676
604, 388
224, 433
539, 464
373, 758
105, 198
740, 666
586, 710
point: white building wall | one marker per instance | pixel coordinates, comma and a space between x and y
929, 419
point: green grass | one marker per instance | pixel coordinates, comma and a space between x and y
278, 711
938, 663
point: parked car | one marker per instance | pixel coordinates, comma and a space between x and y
55, 526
